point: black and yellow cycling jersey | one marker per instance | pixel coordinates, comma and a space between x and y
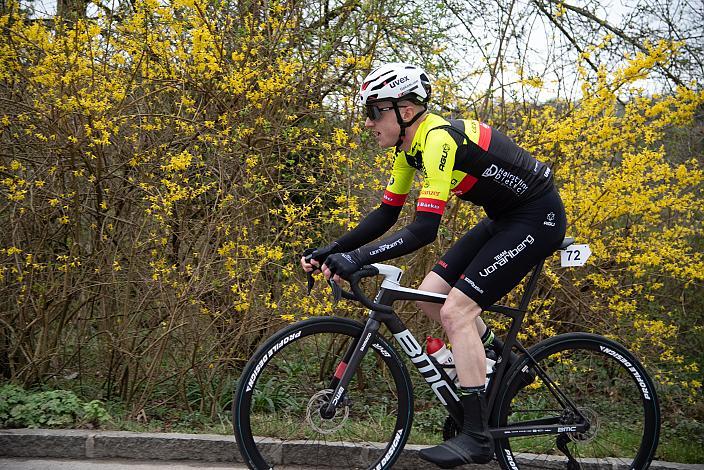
471, 160
526, 219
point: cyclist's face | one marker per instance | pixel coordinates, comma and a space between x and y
382, 123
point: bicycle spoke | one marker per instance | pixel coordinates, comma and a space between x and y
292, 381
623, 425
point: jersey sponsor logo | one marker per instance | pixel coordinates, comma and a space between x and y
443, 158
429, 193
431, 205
472, 284
398, 82
536, 169
479, 133
384, 247
550, 220
506, 255
393, 199
506, 178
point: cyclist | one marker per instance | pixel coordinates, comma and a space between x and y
525, 222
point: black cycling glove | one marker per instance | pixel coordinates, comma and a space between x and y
344, 264
321, 254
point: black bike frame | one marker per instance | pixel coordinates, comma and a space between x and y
435, 375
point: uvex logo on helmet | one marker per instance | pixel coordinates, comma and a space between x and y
397, 82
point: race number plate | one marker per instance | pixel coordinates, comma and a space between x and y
575, 255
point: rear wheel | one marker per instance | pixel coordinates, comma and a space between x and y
290, 379
610, 389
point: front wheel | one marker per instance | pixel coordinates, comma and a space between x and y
291, 378
609, 388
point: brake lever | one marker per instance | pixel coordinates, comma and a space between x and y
336, 291
311, 282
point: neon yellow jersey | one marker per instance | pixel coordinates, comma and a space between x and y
469, 159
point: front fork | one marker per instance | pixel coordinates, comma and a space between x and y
432, 372
348, 366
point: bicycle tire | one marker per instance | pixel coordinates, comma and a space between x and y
286, 380
606, 383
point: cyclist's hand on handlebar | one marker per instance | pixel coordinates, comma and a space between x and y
342, 265
313, 257
308, 264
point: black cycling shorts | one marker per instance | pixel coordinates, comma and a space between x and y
493, 257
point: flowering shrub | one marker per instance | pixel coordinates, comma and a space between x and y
162, 173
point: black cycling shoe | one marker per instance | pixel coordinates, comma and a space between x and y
473, 444
460, 450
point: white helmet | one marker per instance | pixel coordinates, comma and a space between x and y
395, 81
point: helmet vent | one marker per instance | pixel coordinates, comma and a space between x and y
384, 83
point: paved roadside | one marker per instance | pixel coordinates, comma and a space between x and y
18, 463
64, 449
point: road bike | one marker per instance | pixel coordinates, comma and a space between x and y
340, 388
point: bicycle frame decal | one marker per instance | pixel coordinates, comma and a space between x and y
338, 395
267, 356
385, 459
425, 366
636, 375
366, 340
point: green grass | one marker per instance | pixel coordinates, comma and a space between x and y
681, 449
684, 445
682, 438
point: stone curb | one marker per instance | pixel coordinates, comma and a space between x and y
82, 444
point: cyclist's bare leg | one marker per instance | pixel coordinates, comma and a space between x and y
474, 442
458, 316
434, 283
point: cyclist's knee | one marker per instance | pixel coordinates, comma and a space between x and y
458, 311
432, 283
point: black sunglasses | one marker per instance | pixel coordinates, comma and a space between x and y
374, 112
